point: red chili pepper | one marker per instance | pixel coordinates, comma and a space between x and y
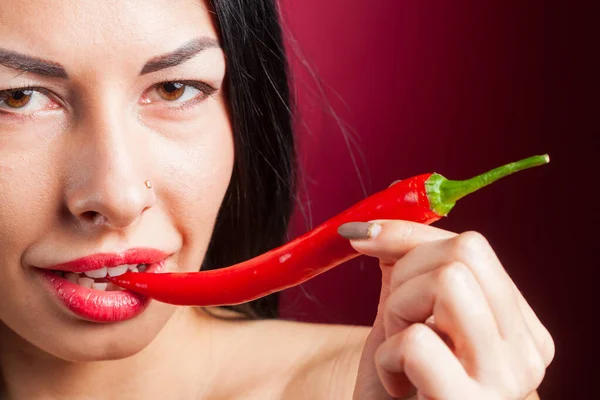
423, 198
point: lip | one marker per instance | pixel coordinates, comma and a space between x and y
96, 261
97, 305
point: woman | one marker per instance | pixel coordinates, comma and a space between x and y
157, 136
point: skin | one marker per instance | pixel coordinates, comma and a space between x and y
72, 172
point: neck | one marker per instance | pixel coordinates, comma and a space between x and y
182, 352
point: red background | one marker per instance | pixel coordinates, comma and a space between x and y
455, 87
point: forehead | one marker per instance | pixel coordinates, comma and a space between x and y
73, 31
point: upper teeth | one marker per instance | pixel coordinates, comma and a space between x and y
116, 271
97, 273
113, 271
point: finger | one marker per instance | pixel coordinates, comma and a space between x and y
430, 322
368, 385
420, 355
454, 298
473, 250
542, 337
392, 239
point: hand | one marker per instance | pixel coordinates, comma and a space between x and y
450, 324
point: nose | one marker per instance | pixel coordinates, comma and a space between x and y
108, 183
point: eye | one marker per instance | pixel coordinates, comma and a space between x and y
25, 101
178, 93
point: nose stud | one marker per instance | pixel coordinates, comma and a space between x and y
148, 184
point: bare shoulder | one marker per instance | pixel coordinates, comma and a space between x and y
287, 360
284, 360
320, 361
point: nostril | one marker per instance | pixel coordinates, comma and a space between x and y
90, 216
105, 203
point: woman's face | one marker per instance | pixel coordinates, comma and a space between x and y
96, 98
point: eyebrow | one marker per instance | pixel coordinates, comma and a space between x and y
25, 63
22, 62
179, 56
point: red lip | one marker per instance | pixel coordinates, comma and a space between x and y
95, 305
97, 261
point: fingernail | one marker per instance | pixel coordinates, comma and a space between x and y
359, 230
412, 394
390, 361
393, 183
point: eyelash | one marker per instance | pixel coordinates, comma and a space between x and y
206, 89
202, 86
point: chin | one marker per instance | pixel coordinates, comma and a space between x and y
103, 349
113, 341
76, 340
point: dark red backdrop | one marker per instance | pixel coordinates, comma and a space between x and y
454, 87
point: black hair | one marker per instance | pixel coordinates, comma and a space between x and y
258, 203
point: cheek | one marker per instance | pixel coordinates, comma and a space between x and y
196, 173
27, 213
27, 203
29, 183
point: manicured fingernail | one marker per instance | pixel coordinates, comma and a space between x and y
393, 183
359, 230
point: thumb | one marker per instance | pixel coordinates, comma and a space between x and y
368, 385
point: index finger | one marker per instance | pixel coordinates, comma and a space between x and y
390, 240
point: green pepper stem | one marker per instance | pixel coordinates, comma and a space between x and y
453, 191
443, 193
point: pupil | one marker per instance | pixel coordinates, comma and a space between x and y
19, 95
172, 87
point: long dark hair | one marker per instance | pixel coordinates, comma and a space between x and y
256, 210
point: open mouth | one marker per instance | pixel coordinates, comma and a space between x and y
97, 279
